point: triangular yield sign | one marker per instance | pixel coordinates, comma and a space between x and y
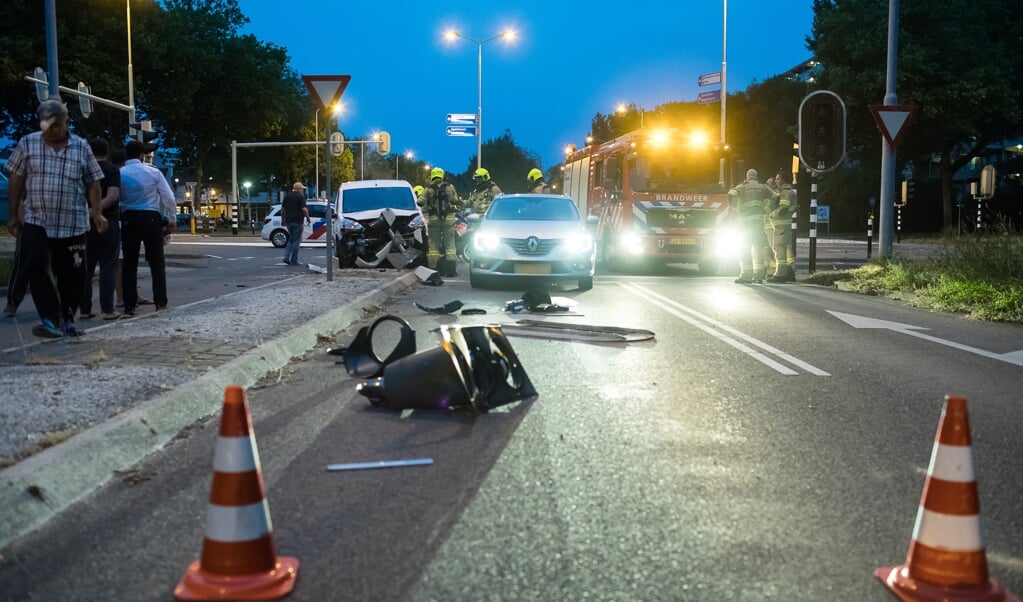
892, 120
326, 89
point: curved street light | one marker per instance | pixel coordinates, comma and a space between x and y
451, 35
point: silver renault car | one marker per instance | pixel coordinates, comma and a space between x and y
532, 236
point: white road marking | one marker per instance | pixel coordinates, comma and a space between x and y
678, 310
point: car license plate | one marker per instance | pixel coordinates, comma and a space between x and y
532, 268
683, 241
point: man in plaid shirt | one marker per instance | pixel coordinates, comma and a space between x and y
54, 192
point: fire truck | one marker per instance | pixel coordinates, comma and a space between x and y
659, 199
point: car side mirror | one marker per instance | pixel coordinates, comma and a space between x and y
592, 219
473, 218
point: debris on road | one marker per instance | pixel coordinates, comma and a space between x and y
381, 464
474, 368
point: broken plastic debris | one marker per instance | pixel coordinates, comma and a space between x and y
447, 308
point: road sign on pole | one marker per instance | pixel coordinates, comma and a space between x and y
892, 120
461, 118
326, 89
461, 130
708, 97
709, 79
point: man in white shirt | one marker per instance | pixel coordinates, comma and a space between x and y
147, 208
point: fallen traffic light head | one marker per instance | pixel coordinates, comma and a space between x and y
474, 368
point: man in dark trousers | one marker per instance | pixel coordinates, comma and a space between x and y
54, 194
147, 214
101, 248
293, 214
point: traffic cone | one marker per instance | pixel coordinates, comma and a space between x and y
238, 561
946, 559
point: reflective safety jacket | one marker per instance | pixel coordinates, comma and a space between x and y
482, 195
750, 200
781, 213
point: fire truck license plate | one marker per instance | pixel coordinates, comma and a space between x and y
683, 241
532, 268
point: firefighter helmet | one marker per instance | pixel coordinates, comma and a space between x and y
481, 174
436, 172
418, 190
535, 174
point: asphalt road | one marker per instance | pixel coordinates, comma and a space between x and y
762, 446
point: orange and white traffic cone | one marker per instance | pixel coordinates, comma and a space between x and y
238, 560
946, 560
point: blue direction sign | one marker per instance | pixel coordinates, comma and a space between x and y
461, 130
712, 96
709, 79
462, 118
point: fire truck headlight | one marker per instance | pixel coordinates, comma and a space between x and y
727, 242
580, 242
631, 243
485, 241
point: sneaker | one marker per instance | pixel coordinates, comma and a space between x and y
87, 316
47, 330
111, 315
129, 312
161, 307
70, 330
10, 311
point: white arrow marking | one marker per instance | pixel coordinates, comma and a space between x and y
1013, 357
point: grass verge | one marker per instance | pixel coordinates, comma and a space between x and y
981, 277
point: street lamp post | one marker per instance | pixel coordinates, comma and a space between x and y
131, 70
622, 109
451, 35
316, 149
724, 87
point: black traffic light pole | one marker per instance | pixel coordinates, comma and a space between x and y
821, 147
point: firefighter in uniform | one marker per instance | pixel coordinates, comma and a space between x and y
536, 183
441, 202
770, 205
484, 191
748, 201
780, 219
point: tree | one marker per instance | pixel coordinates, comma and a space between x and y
507, 163
967, 93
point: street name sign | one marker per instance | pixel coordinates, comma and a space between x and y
461, 118
461, 130
326, 89
709, 79
892, 120
706, 97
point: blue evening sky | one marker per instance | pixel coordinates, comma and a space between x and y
569, 61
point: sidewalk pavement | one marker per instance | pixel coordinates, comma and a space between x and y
75, 411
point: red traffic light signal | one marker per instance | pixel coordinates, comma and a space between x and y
822, 131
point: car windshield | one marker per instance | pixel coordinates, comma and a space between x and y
535, 208
378, 197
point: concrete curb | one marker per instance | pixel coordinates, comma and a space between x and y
65, 473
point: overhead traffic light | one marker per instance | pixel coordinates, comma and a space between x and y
143, 132
384, 143
822, 131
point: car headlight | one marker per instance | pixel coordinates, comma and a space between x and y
631, 242
580, 242
727, 242
485, 241
417, 222
350, 224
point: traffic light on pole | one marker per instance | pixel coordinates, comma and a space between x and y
822, 131
384, 143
